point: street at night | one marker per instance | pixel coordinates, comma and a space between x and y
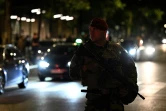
57, 95
45, 45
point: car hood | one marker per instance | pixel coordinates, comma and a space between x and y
43, 49
58, 59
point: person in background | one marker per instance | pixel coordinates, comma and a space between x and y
104, 91
21, 44
28, 45
35, 46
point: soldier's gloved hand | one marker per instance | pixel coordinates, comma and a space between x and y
123, 91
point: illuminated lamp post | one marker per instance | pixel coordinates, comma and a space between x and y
13, 24
38, 12
30, 20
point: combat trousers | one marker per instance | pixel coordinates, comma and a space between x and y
103, 103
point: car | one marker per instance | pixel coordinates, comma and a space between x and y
14, 67
131, 47
56, 62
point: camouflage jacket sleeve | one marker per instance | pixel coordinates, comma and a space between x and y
75, 66
128, 67
130, 73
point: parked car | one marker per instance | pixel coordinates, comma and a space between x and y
56, 62
14, 67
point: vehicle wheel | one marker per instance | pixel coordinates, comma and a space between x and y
2, 84
41, 78
24, 83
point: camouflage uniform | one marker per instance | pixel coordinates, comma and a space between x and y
84, 67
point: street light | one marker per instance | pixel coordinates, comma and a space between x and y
39, 12
35, 10
57, 16
23, 18
164, 25
13, 17
67, 18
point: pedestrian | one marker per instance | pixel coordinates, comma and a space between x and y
106, 90
28, 46
21, 44
35, 46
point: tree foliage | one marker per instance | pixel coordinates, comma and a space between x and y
65, 7
105, 8
2, 6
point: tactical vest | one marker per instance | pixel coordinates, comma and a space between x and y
93, 74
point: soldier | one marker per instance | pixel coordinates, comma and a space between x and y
104, 91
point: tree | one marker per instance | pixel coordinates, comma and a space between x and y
70, 7
1, 7
142, 18
106, 8
1, 18
5, 19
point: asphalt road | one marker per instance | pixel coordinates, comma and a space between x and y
66, 96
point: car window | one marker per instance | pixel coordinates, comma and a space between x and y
12, 53
1, 54
9, 55
17, 52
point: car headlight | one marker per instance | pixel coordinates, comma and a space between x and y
78, 41
149, 50
164, 41
39, 51
68, 64
43, 64
132, 51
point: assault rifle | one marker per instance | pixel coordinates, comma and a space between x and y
122, 79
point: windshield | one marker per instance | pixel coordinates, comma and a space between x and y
46, 43
63, 50
128, 44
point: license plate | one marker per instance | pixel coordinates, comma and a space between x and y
58, 71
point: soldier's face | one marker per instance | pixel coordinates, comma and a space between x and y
96, 34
